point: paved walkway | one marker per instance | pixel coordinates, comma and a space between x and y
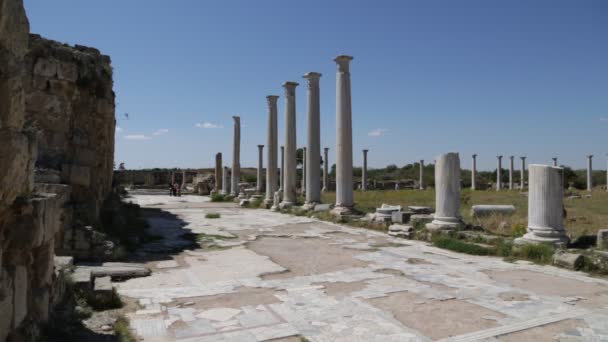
267, 276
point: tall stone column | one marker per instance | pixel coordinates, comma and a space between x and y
447, 193
271, 150
183, 180
364, 171
282, 173
511, 166
289, 174
545, 206
607, 174
554, 161
589, 172
313, 140
474, 173
325, 169
218, 172
421, 175
260, 181
236, 157
523, 173
172, 178
226, 181
344, 139
303, 170
498, 173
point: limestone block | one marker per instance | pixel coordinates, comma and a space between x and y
67, 71
45, 67
490, 209
76, 174
401, 216
421, 210
20, 289
40, 304
15, 160
82, 278
103, 285
573, 261
45, 104
322, 207
6, 303
43, 265
602, 239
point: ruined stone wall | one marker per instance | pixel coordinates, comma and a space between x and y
69, 99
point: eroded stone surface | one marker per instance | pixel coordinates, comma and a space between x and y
288, 276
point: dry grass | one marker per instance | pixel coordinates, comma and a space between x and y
584, 215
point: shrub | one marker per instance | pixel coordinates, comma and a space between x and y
540, 253
518, 230
460, 246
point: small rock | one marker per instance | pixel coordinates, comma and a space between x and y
571, 261
106, 327
188, 303
602, 239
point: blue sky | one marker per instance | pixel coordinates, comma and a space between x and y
486, 77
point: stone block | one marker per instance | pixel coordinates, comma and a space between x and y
485, 210
6, 303
45, 67
322, 207
420, 219
15, 161
20, 289
420, 210
401, 216
67, 71
602, 239
76, 174
400, 230
82, 278
573, 261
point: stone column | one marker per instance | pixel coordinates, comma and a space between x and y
183, 180
218, 172
172, 178
271, 150
313, 140
447, 193
421, 175
344, 139
260, 181
545, 206
325, 169
236, 157
511, 166
607, 174
554, 161
289, 171
226, 181
364, 172
523, 173
303, 170
498, 174
281, 179
474, 173
589, 172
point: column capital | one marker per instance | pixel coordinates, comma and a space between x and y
474, 155
365, 151
499, 157
523, 158
511, 157
272, 99
236, 118
260, 146
311, 76
290, 85
326, 148
343, 62
590, 156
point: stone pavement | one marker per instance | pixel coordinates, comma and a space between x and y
270, 276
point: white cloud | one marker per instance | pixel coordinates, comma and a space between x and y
161, 131
207, 125
118, 129
377, 132
604, 119
137, 137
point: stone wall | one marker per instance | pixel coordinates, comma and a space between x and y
69, 99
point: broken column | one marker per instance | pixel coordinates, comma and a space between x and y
260, 182
236, 157
226, 181
218, 172
473, 173
344, 139
313, 140
421, 175
511, 172
364, 171
289, 171
271, 150
498, 173
545, 205
589, 172
325, 169
447, 193
523, 173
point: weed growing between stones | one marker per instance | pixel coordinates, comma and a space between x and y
221, 198
122, 331
212, 216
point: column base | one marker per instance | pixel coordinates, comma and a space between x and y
268, 202
532, 238
341, 211
444, 223
309, 205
